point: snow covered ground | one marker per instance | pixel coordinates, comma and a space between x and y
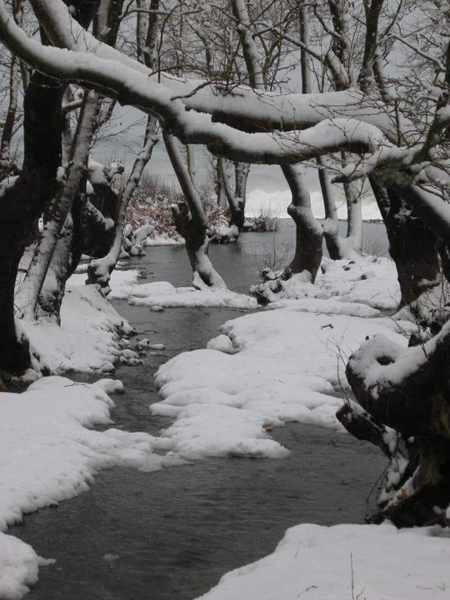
265, 369
370, 280
48, 454
125, 286
285, 363
87, 339
359, 562
164, 294
163, 240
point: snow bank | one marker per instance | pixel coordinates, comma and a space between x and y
162, 293
124, 285
346, 561
19, 566
368, 280
48, 455
121, 282
278, 365
87, 339
163, 240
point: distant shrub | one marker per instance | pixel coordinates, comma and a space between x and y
152, 205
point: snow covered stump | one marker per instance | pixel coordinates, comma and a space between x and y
403, 407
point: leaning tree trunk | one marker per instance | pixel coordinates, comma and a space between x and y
24, 201
308, 254
338, 246
59, 209
235, 193
60, 212
191, 223
403, 397
59, 270
413, 246
88, 233
100, 269
308, 247
197, 244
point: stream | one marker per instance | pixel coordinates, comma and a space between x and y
173, 533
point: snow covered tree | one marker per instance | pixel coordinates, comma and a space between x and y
73, 223
405, 159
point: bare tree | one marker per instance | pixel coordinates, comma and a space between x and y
308, 253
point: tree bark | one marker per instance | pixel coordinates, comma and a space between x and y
59, 209
24, 202
190, 221
235, 194
59, 270
308, 246
413, 246
100, 269
11, 113
403, 407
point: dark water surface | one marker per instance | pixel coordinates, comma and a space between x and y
171, 534
240, 263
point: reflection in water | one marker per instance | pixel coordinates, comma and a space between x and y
170, 535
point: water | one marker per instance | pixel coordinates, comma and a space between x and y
240, 263
173, 533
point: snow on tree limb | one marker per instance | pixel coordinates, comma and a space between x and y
327, 116
131, 87
268, 110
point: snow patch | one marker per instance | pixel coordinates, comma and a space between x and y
87, 340
164, 294
368, 280
265, 369
50, 454
346, 561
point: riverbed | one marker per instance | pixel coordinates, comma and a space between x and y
171, 534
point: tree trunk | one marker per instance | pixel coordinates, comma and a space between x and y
413, 246
59, 270
235, 192
237, 208
197, 243
353, 193
11, 113
308, 247
404, 407
25, 200
60, 208
190, 221
100, 269
338, 246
